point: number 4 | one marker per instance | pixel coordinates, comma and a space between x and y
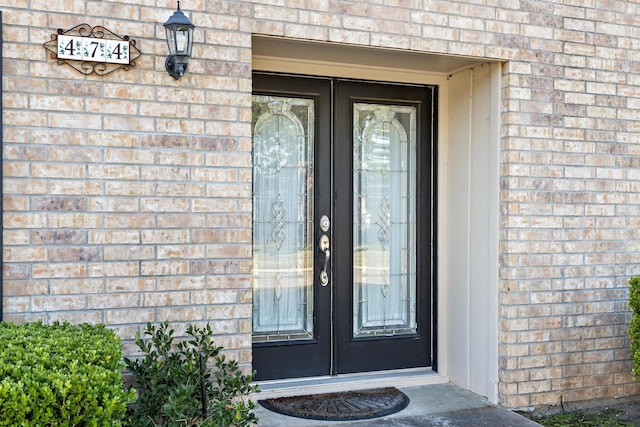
117, 52
69, 48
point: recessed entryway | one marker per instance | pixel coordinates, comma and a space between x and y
465, 301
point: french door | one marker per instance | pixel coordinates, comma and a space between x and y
342, 226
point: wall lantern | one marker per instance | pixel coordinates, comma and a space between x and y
180, 40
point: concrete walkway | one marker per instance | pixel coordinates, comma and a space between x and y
443, 405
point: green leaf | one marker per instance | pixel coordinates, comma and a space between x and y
171, 381
61, 374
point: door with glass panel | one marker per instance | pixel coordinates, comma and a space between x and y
342, 226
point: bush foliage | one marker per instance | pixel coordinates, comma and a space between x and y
580, 419
178, 387
634, 327
62, 375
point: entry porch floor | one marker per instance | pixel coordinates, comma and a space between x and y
434, 404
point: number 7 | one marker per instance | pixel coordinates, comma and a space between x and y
95, 48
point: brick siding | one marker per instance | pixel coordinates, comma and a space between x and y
127, 198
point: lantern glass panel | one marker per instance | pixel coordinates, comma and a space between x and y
171, 40
183, 42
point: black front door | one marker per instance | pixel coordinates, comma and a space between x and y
342, 226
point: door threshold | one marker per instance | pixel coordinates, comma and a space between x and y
348, 382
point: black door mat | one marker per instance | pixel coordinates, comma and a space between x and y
350, 405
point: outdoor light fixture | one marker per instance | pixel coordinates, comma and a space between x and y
180, 40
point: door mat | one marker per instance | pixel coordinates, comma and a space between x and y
350, 405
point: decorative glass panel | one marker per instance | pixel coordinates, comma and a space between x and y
384, 235
282, 218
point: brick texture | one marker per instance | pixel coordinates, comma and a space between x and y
127, 197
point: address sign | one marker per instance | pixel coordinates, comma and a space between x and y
93, 50
90, 49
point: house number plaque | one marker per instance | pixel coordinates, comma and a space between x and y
92, 49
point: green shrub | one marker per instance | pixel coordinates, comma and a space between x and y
62, 375
634, 327
177, 387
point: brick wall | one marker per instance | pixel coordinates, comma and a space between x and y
128, 196
569, 202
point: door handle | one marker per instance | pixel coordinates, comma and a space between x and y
324, 247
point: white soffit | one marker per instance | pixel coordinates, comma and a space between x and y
267, 51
